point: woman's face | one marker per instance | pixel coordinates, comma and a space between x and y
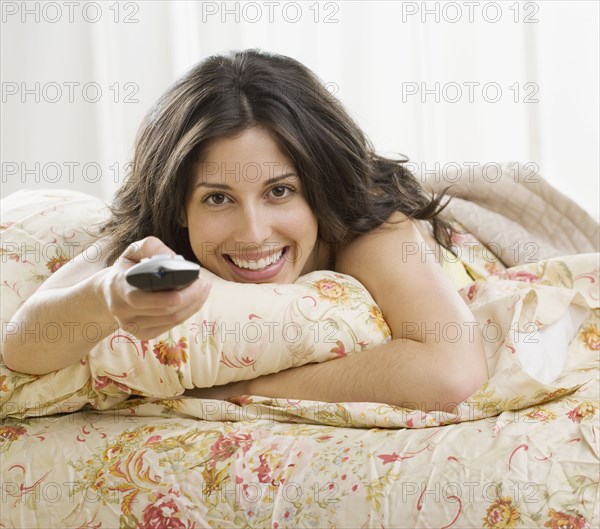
246, 214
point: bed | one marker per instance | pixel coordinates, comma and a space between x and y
521, 452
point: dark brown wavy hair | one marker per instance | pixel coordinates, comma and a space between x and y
350, 188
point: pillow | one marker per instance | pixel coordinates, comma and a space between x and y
39, 232
243, 331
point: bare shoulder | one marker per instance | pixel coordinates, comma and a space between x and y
83, 266
403, 274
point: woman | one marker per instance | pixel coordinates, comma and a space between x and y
248, 166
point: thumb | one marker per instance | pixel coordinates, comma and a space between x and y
147, 247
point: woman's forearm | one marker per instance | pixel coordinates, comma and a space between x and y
56, 328
402, 373
84, 302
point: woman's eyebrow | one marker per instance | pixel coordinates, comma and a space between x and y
267, 183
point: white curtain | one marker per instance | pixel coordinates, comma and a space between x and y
445, 83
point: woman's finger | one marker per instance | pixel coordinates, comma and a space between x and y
147, 247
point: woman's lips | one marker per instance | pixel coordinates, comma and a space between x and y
254, 276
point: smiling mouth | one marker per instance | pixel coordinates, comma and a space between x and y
261, 264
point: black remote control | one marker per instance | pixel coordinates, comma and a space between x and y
162, 272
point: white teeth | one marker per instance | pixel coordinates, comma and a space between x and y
257, 265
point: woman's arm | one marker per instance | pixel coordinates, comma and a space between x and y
436, 358
61, 321
83, 303
410, 374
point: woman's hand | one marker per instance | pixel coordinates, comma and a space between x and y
144, 314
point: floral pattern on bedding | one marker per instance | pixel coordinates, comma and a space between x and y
154, 464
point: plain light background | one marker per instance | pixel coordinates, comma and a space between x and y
441, 82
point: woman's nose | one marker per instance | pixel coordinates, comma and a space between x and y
254, 227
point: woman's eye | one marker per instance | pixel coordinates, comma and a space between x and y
215, 199
282, 191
